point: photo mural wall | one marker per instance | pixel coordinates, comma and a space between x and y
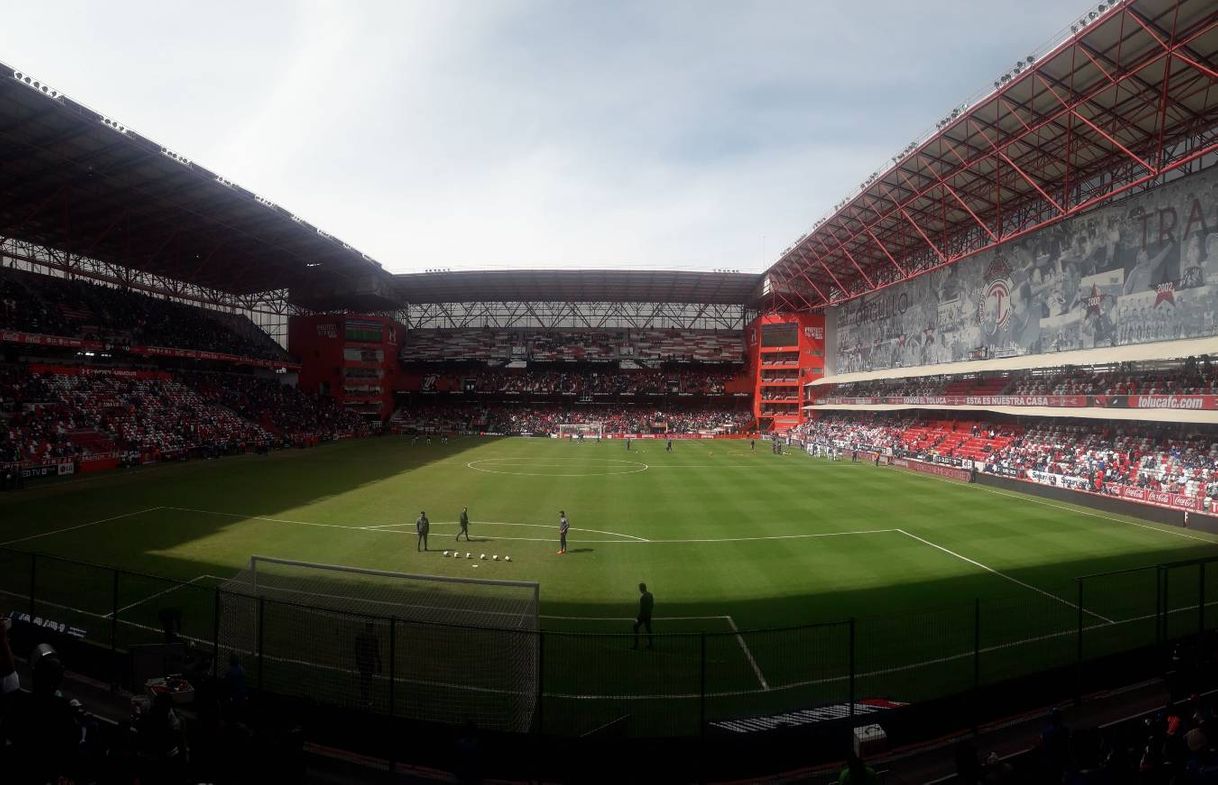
1144, 269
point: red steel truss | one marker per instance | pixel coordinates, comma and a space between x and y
1126, 101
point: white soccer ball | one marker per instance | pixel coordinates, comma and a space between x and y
495, 557
445, 553
475, 566
469, 556
507, 558
483, 556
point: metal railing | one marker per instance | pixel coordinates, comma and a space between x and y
596, 684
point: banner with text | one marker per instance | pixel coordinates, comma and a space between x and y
1188, 402
1144, 269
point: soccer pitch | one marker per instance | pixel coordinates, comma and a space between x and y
729, 540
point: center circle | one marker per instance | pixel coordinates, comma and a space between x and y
519, 467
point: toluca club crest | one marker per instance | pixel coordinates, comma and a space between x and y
994, 305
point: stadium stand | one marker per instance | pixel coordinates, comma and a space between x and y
579, 380
508, 418
1177, 458
54, 412
43, 305
277, 408
1187, 376
691, 346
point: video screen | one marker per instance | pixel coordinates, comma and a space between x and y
785, 334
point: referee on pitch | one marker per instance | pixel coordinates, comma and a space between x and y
464, 524
646, 604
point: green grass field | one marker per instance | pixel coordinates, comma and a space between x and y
727, 539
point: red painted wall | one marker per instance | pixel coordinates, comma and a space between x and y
809, 353
328, 356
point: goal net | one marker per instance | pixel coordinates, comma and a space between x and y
430, 648
587, 429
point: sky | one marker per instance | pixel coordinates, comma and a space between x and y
491, 134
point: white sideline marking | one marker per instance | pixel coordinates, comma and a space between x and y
632, 539
1030, 498
386, 528
989, 569
529, 525
777, 536
628, 618
80, 526
264, 518
747, 653
161, 593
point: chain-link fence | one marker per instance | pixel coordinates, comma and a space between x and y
716, 679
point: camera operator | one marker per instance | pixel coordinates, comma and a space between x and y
39, 729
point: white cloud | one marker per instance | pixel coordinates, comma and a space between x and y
533, 133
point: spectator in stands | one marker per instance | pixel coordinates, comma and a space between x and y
41, 725
47, 305
162, 743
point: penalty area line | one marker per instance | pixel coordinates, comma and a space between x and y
160, 593
1004, 576
745, 648
80, 526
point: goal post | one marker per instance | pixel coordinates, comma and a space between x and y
423, 647
586, 429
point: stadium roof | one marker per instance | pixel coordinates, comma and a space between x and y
1126, 97
644, 286
77, 181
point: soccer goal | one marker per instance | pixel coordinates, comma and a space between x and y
591, 430
424, 647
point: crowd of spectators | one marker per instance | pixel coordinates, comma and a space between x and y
48, 416
508, 418
1192, 376
1179, 458
69, 416
46, 305
585, 380
1171, 746
588, 345
279, 408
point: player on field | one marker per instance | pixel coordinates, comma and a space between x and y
669, 447
627, 445
422, 526
464, 523
564, 526
646, 604
752, 445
